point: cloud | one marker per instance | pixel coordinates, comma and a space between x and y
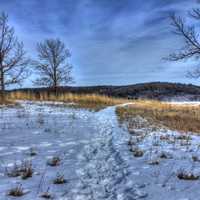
115, 42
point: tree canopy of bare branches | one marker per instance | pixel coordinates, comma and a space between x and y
52, 65
191, 40
13, 63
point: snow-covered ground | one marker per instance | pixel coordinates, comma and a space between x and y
186, 103
97, 156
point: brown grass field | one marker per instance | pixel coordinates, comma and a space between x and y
6, 101
184, 118
93, 101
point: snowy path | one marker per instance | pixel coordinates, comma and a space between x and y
105, 176
95, 157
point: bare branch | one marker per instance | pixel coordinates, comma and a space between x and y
191, 47
187, 32
13, 62
52, 67
195, 13
194, 73
191, 44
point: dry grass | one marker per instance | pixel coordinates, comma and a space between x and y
60, 179
24, 170
184, 175
46, 195
137, 152
16, 191
7, 102
175, 117
80, 100
53, 162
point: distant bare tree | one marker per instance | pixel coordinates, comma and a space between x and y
191, 40
13, 62
52, 67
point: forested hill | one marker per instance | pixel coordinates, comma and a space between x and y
154, 90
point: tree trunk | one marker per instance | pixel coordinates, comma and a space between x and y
2, 91
56, 90
55, 82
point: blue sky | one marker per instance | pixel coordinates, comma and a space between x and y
112, 41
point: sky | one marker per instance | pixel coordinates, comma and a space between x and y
115, 42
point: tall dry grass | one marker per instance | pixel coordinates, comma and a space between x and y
84, 100
176, 117
6, 101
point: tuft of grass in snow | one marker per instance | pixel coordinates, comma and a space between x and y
27, 172
53, 162
184, 118
32, 152
184, 175
24, 170
16, 191
137, 152
154, 162
60, 179
46, 196
195, 158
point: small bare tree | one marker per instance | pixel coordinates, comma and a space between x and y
191, 40
13, 63
52, 67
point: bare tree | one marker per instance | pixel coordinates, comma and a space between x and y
13, 62
52, 67
191, 40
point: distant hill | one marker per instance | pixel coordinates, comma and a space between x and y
154, 90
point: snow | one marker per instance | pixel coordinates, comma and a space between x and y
95, 156
186, 103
